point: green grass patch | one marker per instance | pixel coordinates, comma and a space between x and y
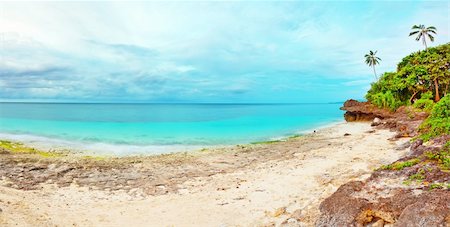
439, 186
267, 142
442, 157
20, 148
419, 176
294, 136
400, 165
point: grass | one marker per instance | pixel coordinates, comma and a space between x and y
419, 176
267, 142
294, 136
400, 165
439, 186
277, 141
20, 148
442, 157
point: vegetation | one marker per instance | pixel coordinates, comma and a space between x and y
438, 123
423, 32
267, 142
20, 148
442, 157
372, 60
425, 102
418, 75
400, 165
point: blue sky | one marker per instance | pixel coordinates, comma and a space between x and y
305, 51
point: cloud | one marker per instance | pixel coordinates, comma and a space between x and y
204, 51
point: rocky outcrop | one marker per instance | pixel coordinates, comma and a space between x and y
357, 204
362, 111
404, 120
413, 191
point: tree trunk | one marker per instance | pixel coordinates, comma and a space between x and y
446, 89
425, 43
375, 72
412, 97
436, 88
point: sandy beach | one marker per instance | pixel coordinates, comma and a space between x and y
252, 185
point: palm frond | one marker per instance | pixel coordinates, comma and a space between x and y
431, 37
413, 33
431, 28
419, 36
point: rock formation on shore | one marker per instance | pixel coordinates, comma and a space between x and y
413, 191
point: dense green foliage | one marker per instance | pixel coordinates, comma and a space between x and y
417, 75
425, 102
438, 123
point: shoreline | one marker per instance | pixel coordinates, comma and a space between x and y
46, 144
256, 184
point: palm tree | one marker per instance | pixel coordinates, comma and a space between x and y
422, 32
372, 60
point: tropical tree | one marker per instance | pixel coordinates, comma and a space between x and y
372, 60
422, 32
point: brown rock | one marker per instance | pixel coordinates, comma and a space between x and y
432, 209
340, 209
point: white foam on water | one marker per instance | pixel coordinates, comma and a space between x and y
96, 148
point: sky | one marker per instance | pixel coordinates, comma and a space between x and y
200, 51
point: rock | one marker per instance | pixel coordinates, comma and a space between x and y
340, 209
376, 121
379, 223
297, 215
347, 134
289, 222
403, 146
430, 210
362, 111
278, 212
356, 204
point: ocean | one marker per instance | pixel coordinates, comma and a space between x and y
124, 129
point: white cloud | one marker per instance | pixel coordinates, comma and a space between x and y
192, 50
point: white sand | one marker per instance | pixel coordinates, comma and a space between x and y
246, 197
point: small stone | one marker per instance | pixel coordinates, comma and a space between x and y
403, 146
297, 215
347, 134
379, 223
289, 221
376, 121
161, 187
278, 212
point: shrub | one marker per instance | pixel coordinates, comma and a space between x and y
385, 100
425, 102
438, 123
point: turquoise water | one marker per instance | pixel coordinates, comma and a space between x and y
161, 125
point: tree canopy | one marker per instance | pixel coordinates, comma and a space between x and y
419, 73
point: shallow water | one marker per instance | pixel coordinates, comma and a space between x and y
161, 126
